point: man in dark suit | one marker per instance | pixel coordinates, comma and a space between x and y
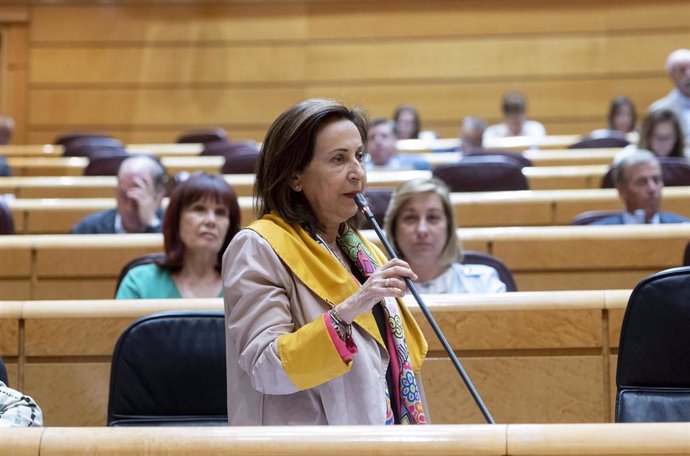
638, 179
139, 192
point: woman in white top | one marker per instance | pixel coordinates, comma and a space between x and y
419, 222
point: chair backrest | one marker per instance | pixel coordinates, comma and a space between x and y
483, 174
203, 135
5, 170
138, 261
104, 165
3, 373
506, 276
653, 372
521, 160
378, 199
686, 255
675, 172
71, 140
588, 217
86, 147
598, 142
168, 369
240, 157
6, 218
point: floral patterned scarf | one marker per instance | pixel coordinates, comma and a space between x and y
405, 392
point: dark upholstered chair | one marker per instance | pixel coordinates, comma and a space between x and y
653, 372
104, 165
594, 143
204, 135
67, 138
686, 255
3, 373
88, 147
6, 218
378, 199
5, 169
168, 369
240, 157
519, 158
483, 174
138, 261
588, 217
506, 276
675, 172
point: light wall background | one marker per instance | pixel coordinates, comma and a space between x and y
145, 71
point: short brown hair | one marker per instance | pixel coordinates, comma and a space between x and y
514, 103
199, 186
288, 148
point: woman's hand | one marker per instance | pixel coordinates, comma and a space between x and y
388, 281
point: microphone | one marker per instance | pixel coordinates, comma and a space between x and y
363, 206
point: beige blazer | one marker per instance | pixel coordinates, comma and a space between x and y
263, 300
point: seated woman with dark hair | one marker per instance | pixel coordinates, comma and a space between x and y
662, 134
419, 222
202, 218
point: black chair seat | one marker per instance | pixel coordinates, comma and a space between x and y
481, 173
506, 276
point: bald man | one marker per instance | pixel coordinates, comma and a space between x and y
678, 100
139, 191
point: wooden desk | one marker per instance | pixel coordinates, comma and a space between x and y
533, 357
648, 439
74, 166
55, 150
512, 143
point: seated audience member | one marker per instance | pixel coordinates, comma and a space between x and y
420, 224
6, 130
622, 119
514, 108
201, 219
678, 100
471, 134
638, 179
18, 410
408, 125
383, 151
139, 191
661, 134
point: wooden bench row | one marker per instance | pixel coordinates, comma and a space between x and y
57, 150
541, 258
657, 439
483, 209
534, 357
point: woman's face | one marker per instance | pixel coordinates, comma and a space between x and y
405, 125
335, 174
203, 225
662, 138
421, 228
623, 118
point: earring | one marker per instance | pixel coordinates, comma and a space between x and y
297, 188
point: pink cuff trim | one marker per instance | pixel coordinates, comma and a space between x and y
338, 343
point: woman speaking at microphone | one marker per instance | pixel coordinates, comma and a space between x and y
315, 330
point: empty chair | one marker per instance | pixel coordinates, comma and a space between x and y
204, 135
240, 157
66, 138
168, 369
378, 199
87, 147
3, 373
653, 372
6, 218
483, 174
599, 142
588, 217
506, 276
521, 160
106, 165
138, 261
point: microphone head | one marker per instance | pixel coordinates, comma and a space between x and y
361, 202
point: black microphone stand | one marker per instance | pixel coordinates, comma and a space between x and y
364, 207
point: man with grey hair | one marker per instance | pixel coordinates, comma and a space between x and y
638, 179
140, 189
678, 100
471, 134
